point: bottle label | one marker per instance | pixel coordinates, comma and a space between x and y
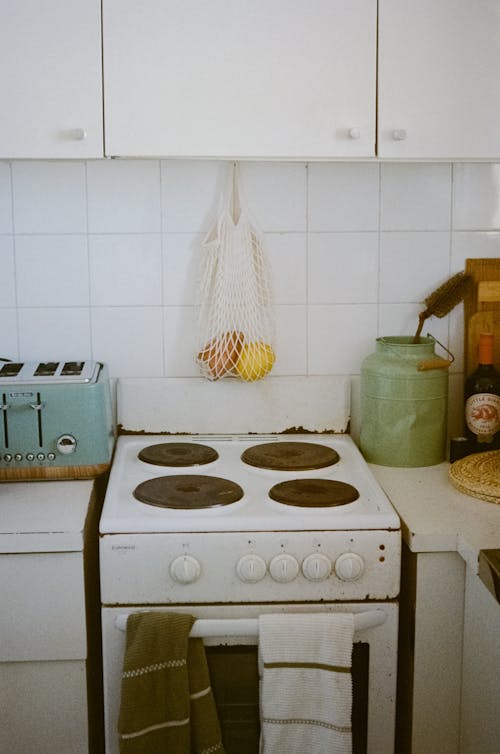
482, 413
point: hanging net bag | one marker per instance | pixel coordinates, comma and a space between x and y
236, 323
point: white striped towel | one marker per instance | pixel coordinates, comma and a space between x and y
306, 683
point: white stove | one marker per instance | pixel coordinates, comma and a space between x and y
207, 529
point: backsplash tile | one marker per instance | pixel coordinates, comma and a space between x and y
7, 278
343, 268
125, 269
52, 270
291, 340
181, 268
276, 195
49, 197
473, 245
128, 339
180, 341
190, 192
5, 199
412, 264
476, 196
415, 197
101, 259
343, 196
48, 333
123, 196
339, 337
287, 255
9, 337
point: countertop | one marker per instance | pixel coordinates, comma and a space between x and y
436, 517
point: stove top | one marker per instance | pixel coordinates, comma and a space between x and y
222, 481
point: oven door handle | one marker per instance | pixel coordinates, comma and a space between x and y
212, 627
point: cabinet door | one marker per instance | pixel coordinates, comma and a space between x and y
439, 82
50, 79
480, 723
240, 78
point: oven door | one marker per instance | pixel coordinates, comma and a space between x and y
231, 645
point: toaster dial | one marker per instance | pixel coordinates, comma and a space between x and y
66, 444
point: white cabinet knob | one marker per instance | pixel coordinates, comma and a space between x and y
349, 566
316, 567
79, 134
251, 568
284, 568
185, 569
399, 134
354, 133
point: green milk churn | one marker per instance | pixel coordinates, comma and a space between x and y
404, 403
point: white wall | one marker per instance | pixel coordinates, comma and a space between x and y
99, 259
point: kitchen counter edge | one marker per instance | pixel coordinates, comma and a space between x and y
435, 516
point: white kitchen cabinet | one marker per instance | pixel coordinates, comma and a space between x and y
480, 719
50, 79
449, 639
240, 78
439, 79
50, 666
430, 653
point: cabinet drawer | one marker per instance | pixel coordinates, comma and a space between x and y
43, 607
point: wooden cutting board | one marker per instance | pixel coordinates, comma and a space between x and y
482, 309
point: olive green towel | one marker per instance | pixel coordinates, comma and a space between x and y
167, 703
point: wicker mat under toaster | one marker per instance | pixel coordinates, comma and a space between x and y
478, 475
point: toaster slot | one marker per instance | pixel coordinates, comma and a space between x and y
38, 408
72, 368
5, 421
11, 369
46, 369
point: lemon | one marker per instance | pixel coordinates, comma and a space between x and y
255, 361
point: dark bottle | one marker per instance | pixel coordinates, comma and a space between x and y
482, 399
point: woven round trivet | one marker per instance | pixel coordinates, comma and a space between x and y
478, 475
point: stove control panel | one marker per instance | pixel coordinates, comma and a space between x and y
249, 567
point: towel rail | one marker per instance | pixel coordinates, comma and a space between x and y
212, 627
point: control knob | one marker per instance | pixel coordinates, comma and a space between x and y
284, 568
316, 567
251, 568
185, 569
349, 566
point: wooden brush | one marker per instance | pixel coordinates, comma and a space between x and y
444, 299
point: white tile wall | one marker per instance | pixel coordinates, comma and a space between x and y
101, 259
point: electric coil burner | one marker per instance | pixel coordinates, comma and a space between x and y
311, 493
178, 454
188, 491
290, 456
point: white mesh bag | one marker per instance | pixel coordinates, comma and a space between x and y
236, 323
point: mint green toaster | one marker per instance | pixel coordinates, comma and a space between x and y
56, 420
